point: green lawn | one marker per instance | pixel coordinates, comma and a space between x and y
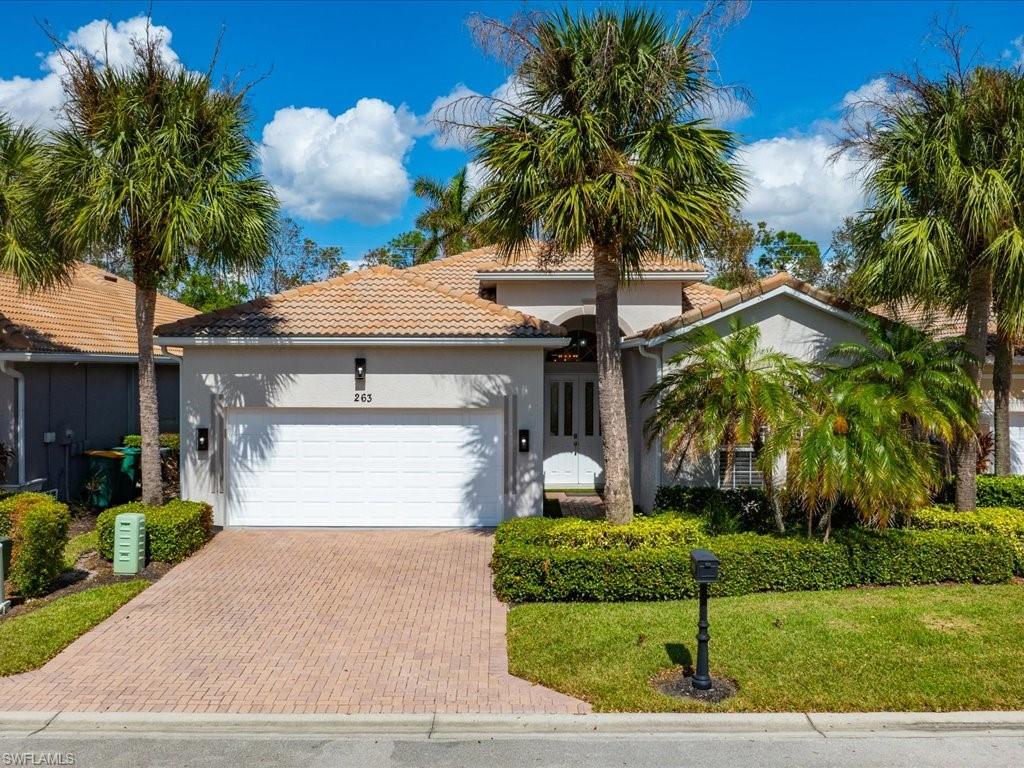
29, 641
913, 648
78, 546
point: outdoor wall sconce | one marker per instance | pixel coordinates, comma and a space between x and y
524, 441
704, 567
360, 368
203, 439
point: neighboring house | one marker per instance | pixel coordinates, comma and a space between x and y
943, 325
448, 394
68, 374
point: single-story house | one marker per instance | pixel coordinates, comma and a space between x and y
448, 394
68, 374
943, 325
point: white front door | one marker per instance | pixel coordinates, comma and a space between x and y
364, 467
572, 440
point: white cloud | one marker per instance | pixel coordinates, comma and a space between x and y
351, 166
36, 101
793, 185
726, 108
1015, 54
462, 105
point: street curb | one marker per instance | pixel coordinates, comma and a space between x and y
452, 726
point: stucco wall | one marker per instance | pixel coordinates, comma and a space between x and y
641, 305
787, 325
322, 377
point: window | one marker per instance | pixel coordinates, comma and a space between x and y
588, 408
582, 349
553, 413
567, 427
744, 469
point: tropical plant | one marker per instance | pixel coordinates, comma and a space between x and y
21, 224
921, 381
452, 218
943, 159
153, 161
844, 447
722, 392
603, 152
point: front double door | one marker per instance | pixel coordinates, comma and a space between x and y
572, 425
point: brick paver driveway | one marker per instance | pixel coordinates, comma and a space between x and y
302, 621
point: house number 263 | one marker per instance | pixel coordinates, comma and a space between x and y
364, 397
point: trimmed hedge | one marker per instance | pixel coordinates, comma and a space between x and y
174, 530
670, 529
1002, 521
38, 525
528, 570
993, 491
170, 440
749, 507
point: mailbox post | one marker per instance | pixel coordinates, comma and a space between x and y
704, 566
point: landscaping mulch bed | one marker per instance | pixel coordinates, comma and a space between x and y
90, 571
677, 683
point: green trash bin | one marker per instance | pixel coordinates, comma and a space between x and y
104, 478
130, 473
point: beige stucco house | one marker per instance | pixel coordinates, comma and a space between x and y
448, 394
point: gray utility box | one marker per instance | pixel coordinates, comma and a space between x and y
129, 543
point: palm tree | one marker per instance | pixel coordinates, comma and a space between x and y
602, 151
919, 380
844, 447
21, 224
452, 217
722, 392
154, 162
943, 158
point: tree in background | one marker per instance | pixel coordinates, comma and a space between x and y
452, 217
401, 251
838, 268
293, 260
206, 290
783, 251
727, 254
153, 162
942, 160
605, 152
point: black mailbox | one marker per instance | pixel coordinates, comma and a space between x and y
704, 566
5, 558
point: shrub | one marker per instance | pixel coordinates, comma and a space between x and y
174, 530
38, 525
573, 533
993, 491
170, 440
748, 507
529, 568
1003, 521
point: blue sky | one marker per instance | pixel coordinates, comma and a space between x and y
341, 113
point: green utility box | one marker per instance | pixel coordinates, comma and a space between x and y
129, 543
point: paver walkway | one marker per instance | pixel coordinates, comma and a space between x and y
298, 621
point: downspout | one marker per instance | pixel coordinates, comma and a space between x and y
656, 357
20, 378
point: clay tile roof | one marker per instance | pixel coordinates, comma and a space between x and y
539, 258
724, 300
941, 323
93, 313
381, 301
457, 272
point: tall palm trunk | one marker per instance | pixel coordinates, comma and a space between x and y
1002, 374
618, 494
149, 420
979, 306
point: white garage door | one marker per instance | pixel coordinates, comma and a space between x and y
1017, 443
340, 467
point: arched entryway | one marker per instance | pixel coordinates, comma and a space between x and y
573, 456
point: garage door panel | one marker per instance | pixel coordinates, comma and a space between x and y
322, 467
